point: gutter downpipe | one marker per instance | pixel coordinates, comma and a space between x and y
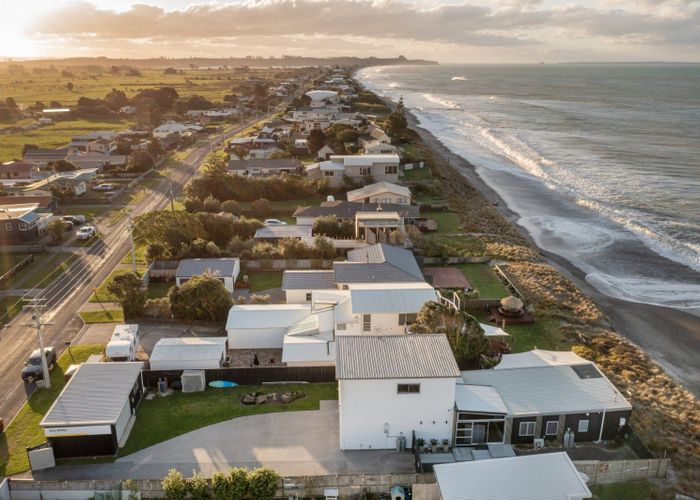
602, 424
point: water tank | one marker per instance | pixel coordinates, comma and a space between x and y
398, 493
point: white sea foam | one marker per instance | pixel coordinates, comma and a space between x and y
459, 78
446, 103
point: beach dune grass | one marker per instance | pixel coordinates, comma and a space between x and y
164, 418
24, 430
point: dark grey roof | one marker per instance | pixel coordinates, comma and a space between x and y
95, 394
280, 163
398, 257
347, 209
307, 280
394, 356
357, 272
46, 154
195, 267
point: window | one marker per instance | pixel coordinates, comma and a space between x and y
328, 173
407, 388
8, 226
23, 226
401, 200
341, 326
365, 171
391, 169
407, 319
583, 425
366, 322
308, 297
551, 428
527, 428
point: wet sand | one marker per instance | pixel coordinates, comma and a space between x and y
670, 336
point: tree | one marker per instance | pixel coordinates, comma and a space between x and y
70, 86
215, 165
396, 124
154, 148
329, 226
62, 192
116, 99
219, 227
261, 208
316, 140
201, 298
28, 147
155, 251
170, 71
324, 247
11, 103
232, 207
169, 228
211, 205
127, 290
139, 161
56, 231
62, 166
467, 339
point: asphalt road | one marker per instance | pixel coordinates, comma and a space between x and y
64, 297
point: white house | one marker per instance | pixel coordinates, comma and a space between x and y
189, 353
381, 192
391, 386
321, 98
547, 476
357, 167
379, 148
225, 269
325, 152
171, 127
262, 326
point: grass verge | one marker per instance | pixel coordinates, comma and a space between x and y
24, 430
160, 419
106, 316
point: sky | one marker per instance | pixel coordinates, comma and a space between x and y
449, 31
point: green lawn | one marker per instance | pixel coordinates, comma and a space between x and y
633, 490
156, 290
483, 278
448, 222
265, 280
24, 430
89, 212
41, 272
140, 252
100, 316
416, 174
10, 260
9, 308
163, 418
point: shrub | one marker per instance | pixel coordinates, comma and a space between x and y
260, 299
201, 298
194, 205
157, 308
211, 205
174, 485
261, 208
232, 207
262, 483
329, 226
198, 487
238, 478
323, 247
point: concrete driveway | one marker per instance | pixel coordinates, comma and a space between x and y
293, 443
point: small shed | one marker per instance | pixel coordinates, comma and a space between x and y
93, 414
225, 269
189, 353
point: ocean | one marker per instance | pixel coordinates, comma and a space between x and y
600, 162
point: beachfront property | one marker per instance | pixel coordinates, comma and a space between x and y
381, 192
382, 167
408, 382
273, 234
264, 167
376, 147
225, 270
346, 211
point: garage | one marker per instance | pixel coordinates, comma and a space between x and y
189, 353
95, 411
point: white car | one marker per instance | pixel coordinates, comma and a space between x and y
274, 222
86, 232
104, 187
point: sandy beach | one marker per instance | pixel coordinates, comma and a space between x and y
670, 336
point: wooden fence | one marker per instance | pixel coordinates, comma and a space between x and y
618, 471
442, 261
16, 268
251, 376
282, 264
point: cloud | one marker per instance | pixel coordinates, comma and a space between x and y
508, 23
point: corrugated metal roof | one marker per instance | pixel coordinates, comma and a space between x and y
284, 231
376, 189
361, 160
308, 280
346, 209
549, 390
95, 394
195, 267
394, 356
540, 357
266, 315
189, 348
390, 297
479, 399
548, 476
399, 257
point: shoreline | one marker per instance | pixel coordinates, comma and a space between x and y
671, 337
641, 324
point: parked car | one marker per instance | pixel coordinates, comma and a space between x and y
274, 222
104, 187
75, 219
32, 368
86, 232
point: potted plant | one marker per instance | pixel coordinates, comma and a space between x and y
445, 445
433, 445
420, 443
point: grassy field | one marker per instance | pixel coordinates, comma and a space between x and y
416, 174
53, 136
484, 279
634, 490
24, 430
160, 419
157, 290
100, 316
10, 260
265, 280
9, 308
448, 222
40, 273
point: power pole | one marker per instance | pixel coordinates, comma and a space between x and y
37, 323
172, 198
133, 245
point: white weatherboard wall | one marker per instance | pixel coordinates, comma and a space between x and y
381, 324
366, 405
123, 420
297, 296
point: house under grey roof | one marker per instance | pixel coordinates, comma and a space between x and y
394, 356
196, 267
378, 263
308, 280
95, 394
273, 164
346, 210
